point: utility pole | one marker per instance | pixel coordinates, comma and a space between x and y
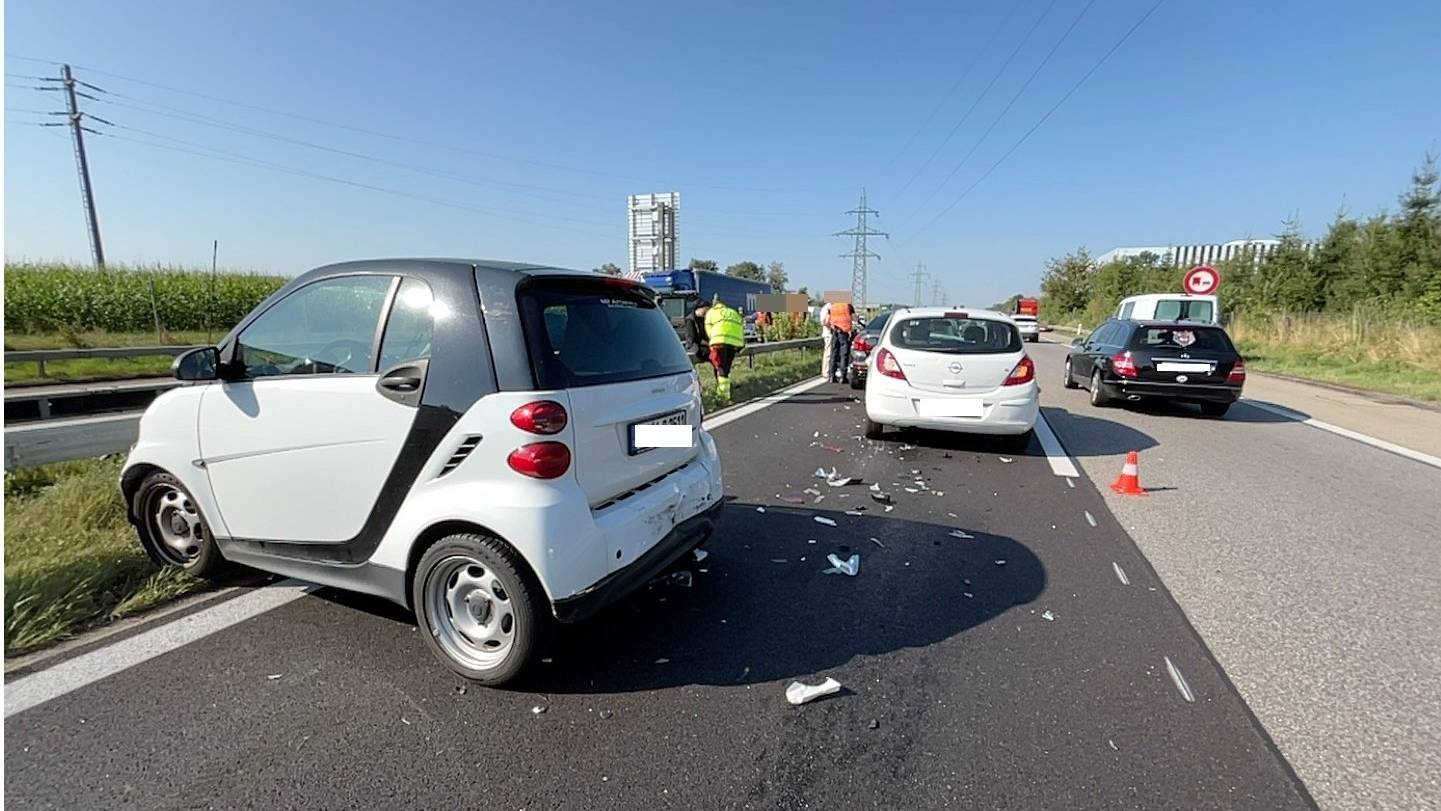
919, 276
938, 296
860, 253
77, 129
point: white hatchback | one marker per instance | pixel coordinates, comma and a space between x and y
952, 370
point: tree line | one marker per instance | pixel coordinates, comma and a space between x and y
1388, 264
773, 274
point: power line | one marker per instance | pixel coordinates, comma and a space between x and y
860, 253
1015, 6
1044, 118
974, 104
1002, 114
401, 138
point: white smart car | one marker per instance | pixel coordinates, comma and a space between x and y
473, 440
952, 370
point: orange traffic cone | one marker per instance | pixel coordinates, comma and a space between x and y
1129, 483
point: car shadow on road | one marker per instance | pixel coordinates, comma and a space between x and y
1088, 435
755, 612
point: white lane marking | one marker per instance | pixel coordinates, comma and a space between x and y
1281, 411
1180, 681
73, 674
1090, 519
1121, 574
1061, 464
760, 403
1071, 483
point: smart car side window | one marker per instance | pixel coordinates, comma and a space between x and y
411, 325
323, 328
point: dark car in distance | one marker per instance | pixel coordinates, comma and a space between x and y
864, 341
1184, 361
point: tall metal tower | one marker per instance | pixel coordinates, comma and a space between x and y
860, 253
938, 294
920, 278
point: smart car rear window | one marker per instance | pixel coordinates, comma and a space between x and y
586, 333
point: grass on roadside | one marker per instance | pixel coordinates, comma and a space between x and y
1360, 351
772, 371
83, 370
71, 558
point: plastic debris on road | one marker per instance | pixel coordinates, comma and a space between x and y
839, 481
760, 509
882, 498
538, 709
778, 560
811, 491
1048, 616
877, 542
822, 474
798, 694
876, 488
849, 567
274, 676
1001, 562
854, 513
956, 533
1006, 459
889, 507
967, 595
911, 490
821, 519
662, 661
700, 554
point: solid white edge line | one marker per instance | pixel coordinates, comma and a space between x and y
1060, 462
760, 403
88, 668
1282, 411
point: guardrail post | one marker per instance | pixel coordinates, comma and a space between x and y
41, 364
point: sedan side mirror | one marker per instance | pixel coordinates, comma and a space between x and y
1078, 341
200, 363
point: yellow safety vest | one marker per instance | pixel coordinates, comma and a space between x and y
724, 325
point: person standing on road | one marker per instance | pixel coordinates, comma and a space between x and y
725, 328
695, 335
841, 319
825, 317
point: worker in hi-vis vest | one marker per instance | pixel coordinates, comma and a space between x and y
726, 330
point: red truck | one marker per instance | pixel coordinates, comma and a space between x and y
1028, 306
1026, 311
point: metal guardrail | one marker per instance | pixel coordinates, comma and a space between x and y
752, 349
40, 356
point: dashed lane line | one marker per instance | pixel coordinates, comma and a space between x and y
1060, 462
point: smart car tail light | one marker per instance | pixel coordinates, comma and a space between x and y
540, 460
542, 417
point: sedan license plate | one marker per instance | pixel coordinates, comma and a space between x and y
951, 407
1170, 366
651, 439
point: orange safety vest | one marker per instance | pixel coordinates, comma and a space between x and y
841, 317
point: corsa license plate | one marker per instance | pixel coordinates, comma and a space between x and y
956, 407
671, 430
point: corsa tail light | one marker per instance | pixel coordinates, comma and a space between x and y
1123, 365
860, 344
544, 417
1238, 372
1024, 372
540, 460
887, 365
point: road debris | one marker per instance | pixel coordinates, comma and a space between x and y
606, 714
1005, 459
967, 595
662, 661
911, 490
791, 499
874, 724
855, 513
956, 533
889, 507
876, 488
778, 560
700, 554
877, 542
1048, 616
1000, 562
821, 519
274, 676
682, 579
811, 491
822, 474
849, 567
538, 709
459, 689
841, 481
881, 498
760, 509
1121, 574
798, 694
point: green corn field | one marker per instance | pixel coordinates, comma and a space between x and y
49, 297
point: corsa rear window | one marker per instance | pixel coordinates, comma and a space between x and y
588, 333
956, 336
1181, 338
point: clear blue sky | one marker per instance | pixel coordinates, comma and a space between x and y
1214, 121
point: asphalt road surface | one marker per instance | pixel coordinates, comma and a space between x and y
1040, 662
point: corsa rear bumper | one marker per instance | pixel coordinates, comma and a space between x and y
686, 535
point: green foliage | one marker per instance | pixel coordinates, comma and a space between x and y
747, 270
704, 264
1388, 265
777, 277
770, 372
791, 326
609, 269
64, 298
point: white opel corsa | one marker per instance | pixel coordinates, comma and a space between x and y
471, 440
952, 370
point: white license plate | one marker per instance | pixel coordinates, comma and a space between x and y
1164, 366
950, 408
671, 430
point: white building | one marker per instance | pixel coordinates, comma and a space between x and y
653, 222
1189, 255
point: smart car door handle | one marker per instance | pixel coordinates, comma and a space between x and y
400, 382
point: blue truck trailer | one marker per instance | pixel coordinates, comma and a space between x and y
680, 290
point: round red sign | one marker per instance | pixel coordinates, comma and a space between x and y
1202, 280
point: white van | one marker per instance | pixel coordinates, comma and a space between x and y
1170, 307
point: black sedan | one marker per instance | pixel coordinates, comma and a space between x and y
864, 341
1184, 361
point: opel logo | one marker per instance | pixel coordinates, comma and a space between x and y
955, 367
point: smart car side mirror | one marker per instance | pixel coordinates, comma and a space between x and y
200, 363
